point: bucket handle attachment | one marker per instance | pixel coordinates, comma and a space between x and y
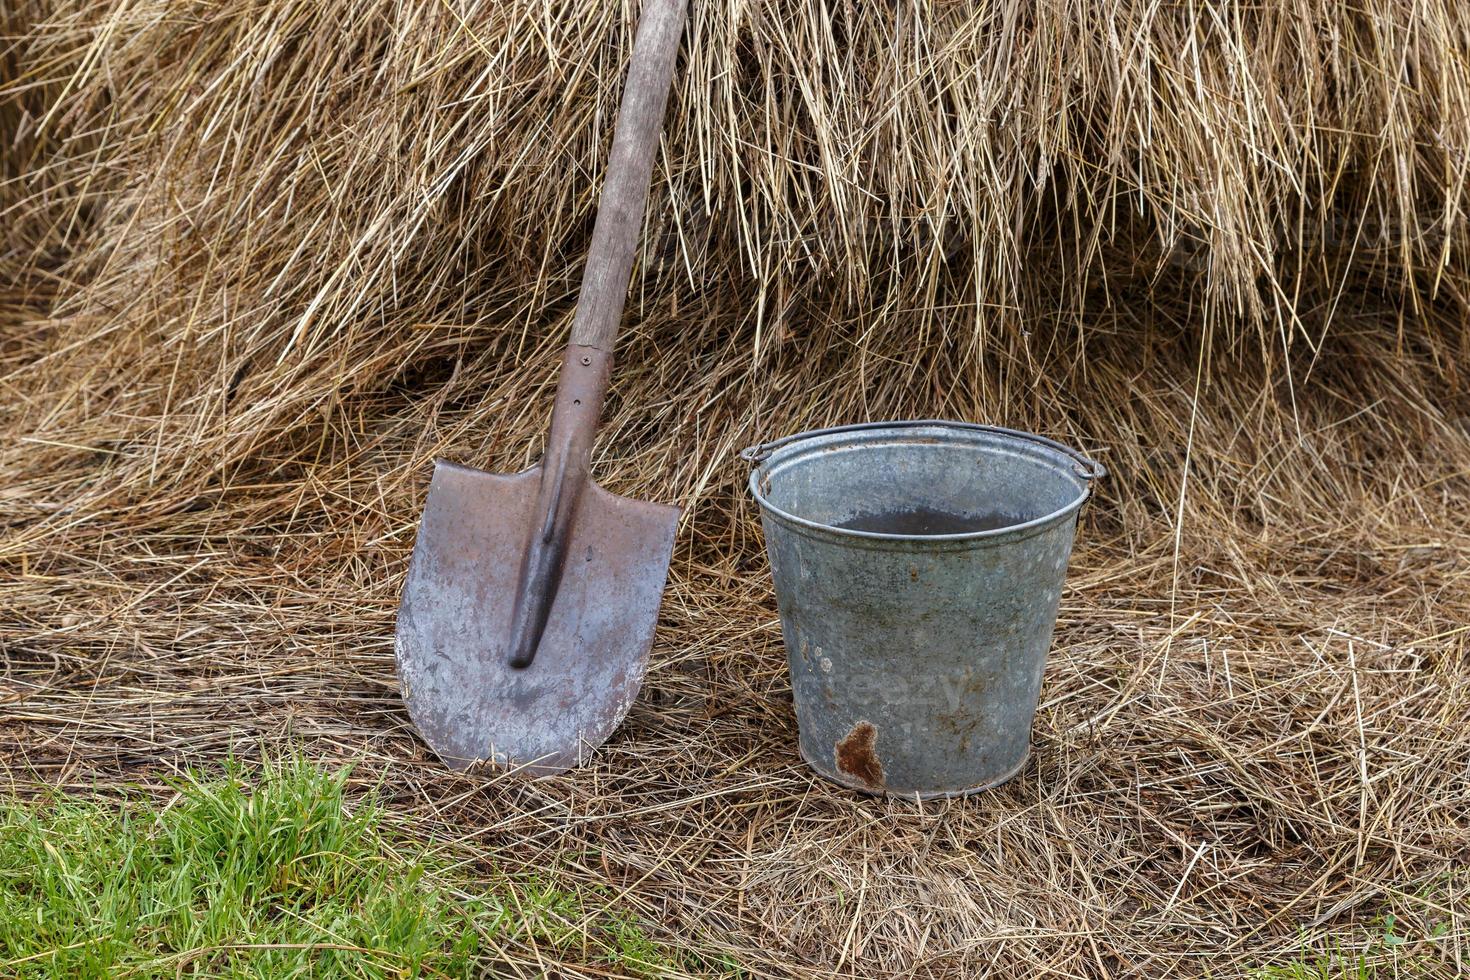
1085, 466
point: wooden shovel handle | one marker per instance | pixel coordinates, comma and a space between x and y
629, 168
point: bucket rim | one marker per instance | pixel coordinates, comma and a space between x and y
1084, 467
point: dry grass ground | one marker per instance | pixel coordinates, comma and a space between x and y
263, 262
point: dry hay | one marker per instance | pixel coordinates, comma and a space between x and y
262, 262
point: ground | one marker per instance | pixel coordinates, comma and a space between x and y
1250, 756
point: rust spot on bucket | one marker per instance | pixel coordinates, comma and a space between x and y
856, 756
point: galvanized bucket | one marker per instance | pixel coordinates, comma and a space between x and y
918, 567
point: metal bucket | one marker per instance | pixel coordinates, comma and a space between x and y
918, 567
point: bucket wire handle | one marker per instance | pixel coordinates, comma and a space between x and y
1086, 467
758, 453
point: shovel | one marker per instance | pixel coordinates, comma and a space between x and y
531, 599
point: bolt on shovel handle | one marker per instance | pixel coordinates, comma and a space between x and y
582, 385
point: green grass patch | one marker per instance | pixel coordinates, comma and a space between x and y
271, 877
1393, 947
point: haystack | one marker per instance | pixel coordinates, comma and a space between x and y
263, 261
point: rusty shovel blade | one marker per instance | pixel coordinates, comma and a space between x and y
454, 623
